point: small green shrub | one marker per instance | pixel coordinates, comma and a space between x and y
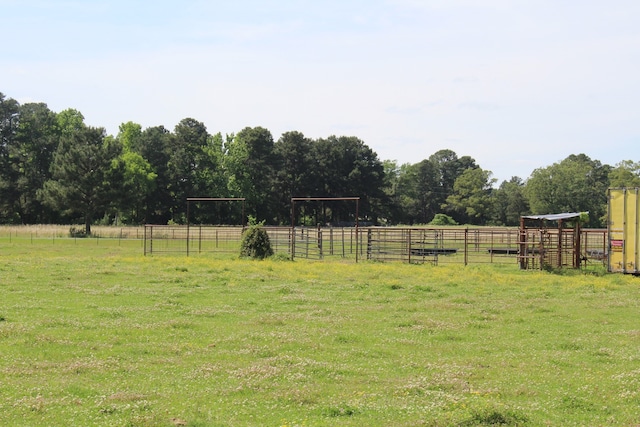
442, 219
255, 243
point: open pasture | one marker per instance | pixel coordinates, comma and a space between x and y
92, 333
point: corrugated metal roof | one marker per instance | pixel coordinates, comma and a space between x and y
554, 217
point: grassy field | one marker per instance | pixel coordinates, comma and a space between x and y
92, 333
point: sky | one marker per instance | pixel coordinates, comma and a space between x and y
515, 84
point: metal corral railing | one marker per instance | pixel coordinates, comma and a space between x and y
312, 243
193, 239
401, 244
548, 247
442, 245
318, 243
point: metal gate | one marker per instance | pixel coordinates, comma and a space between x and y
407, 245
307, 243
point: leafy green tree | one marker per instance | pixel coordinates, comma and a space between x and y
250, 162
82, 179
35, 142
139, 179
346, 167
368, 178
471, 197
329, 169
391, 212
70, 121
129, 135
191, 138
625, 174
448, 168
426, 191
139, 182
510, 202
9, 120
155, 145
407, 194
293, 171
576, 184
417, 186
211, 181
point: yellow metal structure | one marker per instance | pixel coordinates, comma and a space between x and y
623, 230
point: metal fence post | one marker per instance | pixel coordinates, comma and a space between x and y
466, 246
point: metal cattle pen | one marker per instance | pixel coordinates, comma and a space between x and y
416, 245
545, 246
442, 245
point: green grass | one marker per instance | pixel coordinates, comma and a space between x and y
94, 333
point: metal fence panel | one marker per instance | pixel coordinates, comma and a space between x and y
388, 244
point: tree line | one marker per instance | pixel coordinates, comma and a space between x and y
56, 169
